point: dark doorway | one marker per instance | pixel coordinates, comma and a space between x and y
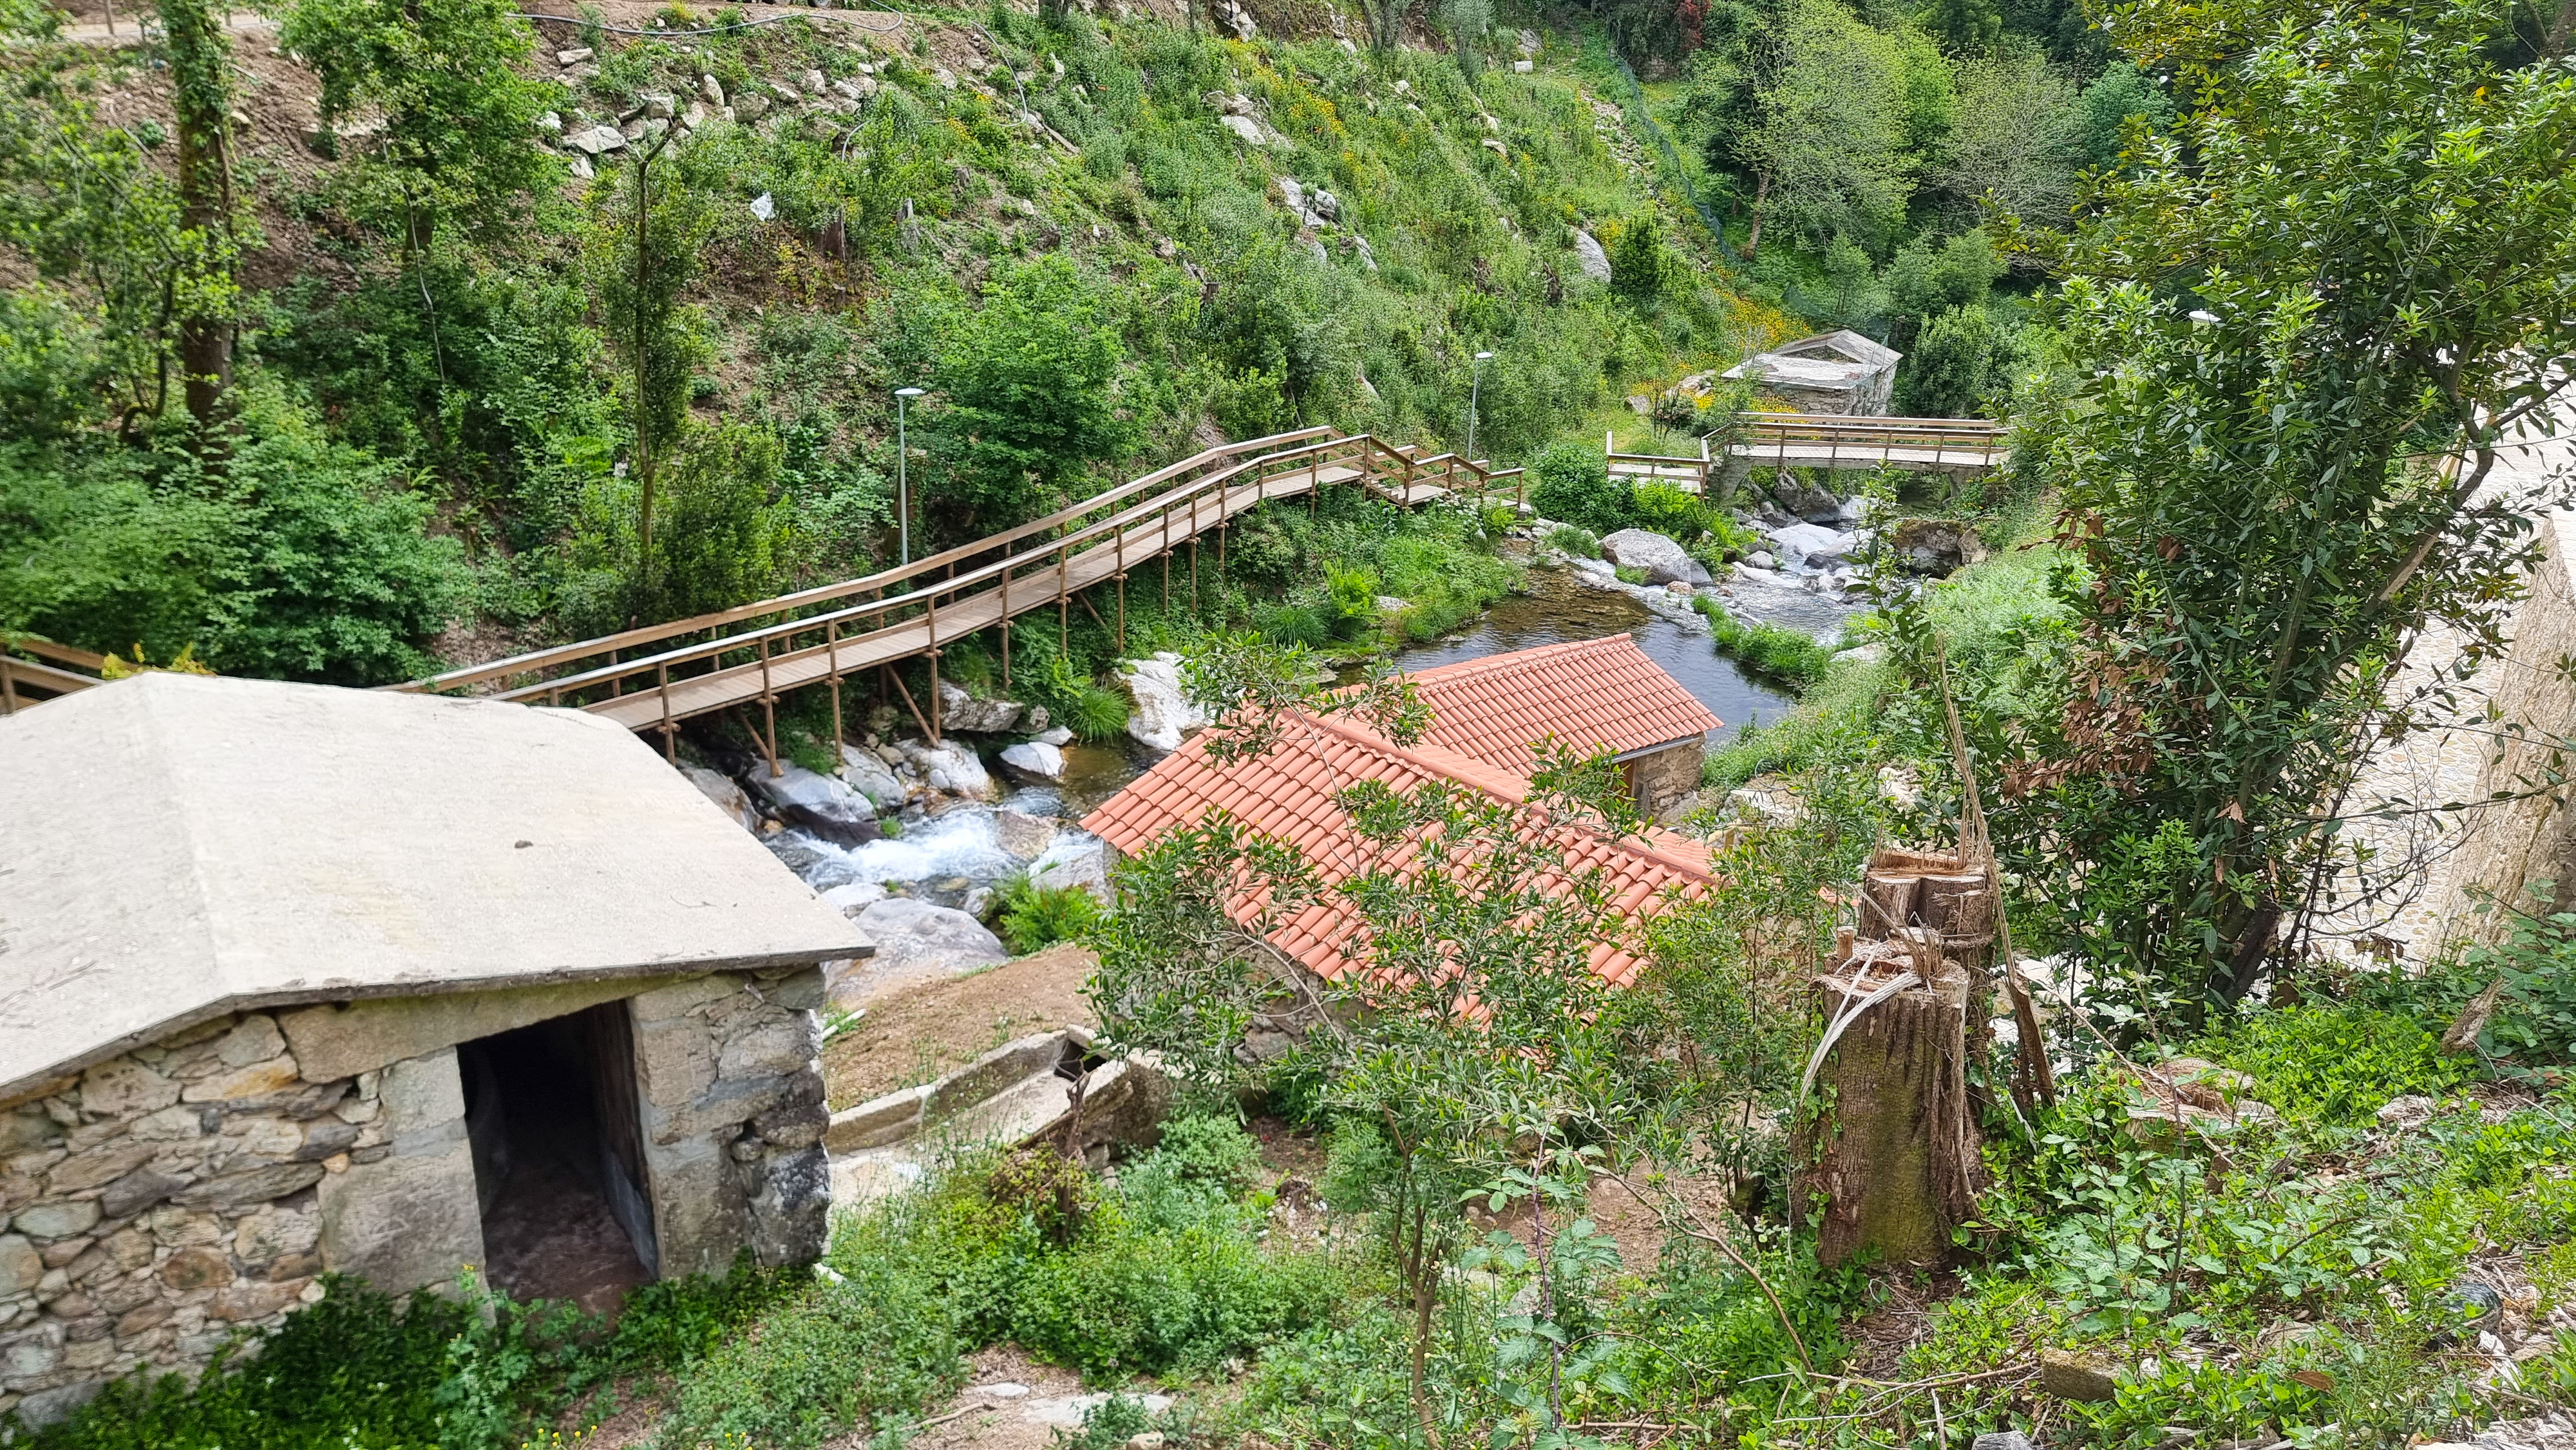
558, 1158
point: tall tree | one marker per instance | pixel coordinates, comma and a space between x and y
650, 230
2299, 336
206, 292
1031, 384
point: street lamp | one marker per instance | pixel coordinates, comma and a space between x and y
902, 474
1475, 385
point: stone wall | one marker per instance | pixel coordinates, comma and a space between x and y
1665, 776
172, 1197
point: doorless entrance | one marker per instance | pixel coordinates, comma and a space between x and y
551, 1113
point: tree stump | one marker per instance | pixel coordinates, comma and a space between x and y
1887, 1152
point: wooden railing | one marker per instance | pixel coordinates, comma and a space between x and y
1829, 441
654, 677
33, 670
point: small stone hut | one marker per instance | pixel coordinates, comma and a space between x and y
302, 979
1831, 372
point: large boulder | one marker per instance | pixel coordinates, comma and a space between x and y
817, 802
1164, 714
952, 768
1035, 760
1589, 256
959, 710
1813, 545
1807, 501
1077, 858
910, 933
726, 793
1935, 546
1664, 561
1024, 836
869, 775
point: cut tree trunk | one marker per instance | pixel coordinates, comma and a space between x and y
1888, 1156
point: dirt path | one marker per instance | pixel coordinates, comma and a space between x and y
916, 1034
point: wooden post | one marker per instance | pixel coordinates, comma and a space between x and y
1006, 624
670, 732
935, 741
769, 712
832, 653
1063, 635
1888, 1144
1122, 613
8, 688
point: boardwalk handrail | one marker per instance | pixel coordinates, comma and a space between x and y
824, 593
823, 634
55, 670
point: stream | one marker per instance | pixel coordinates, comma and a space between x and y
954, 851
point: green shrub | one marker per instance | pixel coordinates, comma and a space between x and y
1670, 510
848, 1352
1573, 542
1766, 649
1034, 916
1291, 624
1128, 1300
1574, 487
2335, 1064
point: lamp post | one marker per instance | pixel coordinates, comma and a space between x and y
902, 470
1475, 387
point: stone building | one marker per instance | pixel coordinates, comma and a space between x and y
1591, 695
302, 979
1831, 372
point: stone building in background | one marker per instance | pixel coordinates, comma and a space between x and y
1831, 372
302, 979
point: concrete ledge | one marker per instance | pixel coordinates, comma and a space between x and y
996, 1070
877, 1122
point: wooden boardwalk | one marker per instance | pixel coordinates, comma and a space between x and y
652, 678
1812, 440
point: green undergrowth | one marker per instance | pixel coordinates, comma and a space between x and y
1770, 650
2286, 1276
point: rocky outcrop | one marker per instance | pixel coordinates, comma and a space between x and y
817, 802
726, 793
1813, 545
916, 941
950, 769
1663, 560
1935, 546
1034, 760
1164, 715
1076, 858
870, 775
1024, 836
1588, 255
959, 710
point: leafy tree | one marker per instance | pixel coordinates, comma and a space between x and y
2356, 255
1968, 27
1573, 487
1924, 280
1030, 379
2119, 96
1829, 148
458, 114
2017, 142
726, 535
1958, 366
650, 230
206, 296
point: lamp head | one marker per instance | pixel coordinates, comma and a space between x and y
907, 392
1480, 357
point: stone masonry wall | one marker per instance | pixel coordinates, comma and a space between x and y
731, 1079
162, 1201
170, 1198
1666, 776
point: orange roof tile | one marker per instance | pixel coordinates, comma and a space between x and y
1288, 793
1594, 694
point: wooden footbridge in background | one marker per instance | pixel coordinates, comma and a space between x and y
654, 677
1955, 446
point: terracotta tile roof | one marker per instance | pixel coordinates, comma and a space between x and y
1594, 694
1287, 794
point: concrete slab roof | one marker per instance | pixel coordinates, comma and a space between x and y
1841, 359
174, 848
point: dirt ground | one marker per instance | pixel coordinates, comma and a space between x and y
918, 1033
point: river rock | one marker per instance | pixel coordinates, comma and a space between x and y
1807, 501
1059, 737
817, 802
1034, 760
869, 775
1664, 561
952, 768
919, 936
1935, 546
1164, 714
1077, 858
726, 793
1813, 545
1588, 255
1024, 836
855, 897
959, 710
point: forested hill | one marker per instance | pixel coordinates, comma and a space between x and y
328, 350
